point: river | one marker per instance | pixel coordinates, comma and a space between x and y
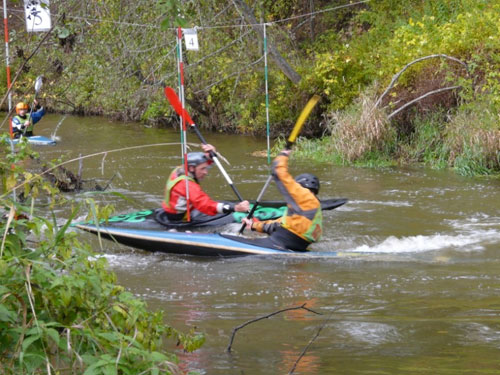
419, 292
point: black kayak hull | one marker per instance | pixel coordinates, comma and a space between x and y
198, 244
202, 244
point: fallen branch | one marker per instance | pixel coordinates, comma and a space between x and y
292, 370
397, 75
34, 177
265, 317
422, 97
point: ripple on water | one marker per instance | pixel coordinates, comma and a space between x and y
367, 333
477, 334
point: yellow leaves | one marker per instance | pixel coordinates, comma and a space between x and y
65, 296
11, 181
3, 267
120, 311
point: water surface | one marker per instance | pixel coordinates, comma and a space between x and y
418, 294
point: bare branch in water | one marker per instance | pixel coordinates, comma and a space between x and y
265, 317
310, 343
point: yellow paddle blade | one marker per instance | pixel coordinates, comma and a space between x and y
302, 118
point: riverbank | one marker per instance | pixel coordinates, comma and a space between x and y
401, 82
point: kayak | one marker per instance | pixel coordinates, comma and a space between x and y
141, 230
198, 244
38, 140
156, 219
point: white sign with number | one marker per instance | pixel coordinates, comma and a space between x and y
37, 14
191, 39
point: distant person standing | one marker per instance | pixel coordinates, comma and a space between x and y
24, 122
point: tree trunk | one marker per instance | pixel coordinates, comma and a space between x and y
273, 52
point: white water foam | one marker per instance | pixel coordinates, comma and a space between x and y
383, 203
129, 260
412, 244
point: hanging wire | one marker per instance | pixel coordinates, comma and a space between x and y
152, 26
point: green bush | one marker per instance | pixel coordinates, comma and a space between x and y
61, 310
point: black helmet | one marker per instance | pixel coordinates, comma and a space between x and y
196, 158
308, 181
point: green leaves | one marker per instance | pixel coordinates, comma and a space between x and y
175, 15
60, 306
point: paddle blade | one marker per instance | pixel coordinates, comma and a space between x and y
302, 119
38, 84
176, 104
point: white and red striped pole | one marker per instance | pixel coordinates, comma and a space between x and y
180, 70
7, 60
9, 83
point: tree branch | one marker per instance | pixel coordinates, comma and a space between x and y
397, 75
276, 56
265, 317
292, 370
420, 98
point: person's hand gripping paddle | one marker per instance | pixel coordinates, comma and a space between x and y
289, 143
176, 104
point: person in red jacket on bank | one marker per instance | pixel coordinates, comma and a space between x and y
175, 202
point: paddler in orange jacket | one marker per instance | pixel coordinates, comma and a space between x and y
175, 202
302, 223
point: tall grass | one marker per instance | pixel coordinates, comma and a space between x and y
473, 140
360, 131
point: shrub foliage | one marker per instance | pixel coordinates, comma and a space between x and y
61, 310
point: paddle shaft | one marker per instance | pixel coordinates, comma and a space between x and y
38, 86
256, 204
176, 104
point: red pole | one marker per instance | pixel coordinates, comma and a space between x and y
7, 61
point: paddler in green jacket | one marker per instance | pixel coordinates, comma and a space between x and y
24, 122
302, 223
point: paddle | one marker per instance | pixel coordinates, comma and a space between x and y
38, 86
176, 104
289, 143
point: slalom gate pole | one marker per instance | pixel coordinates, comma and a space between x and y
267, 98
180, 69
9, 83
7, 57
